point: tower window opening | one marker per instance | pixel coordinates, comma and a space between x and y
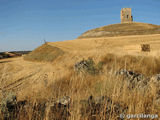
127, 16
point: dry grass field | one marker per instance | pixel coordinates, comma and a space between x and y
122, 29
117, 45
48, 73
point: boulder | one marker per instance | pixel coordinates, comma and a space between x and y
86, 66
134, 80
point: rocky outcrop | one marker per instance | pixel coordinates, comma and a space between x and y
155, 82
141, 82
88, 66
134, 80
85, 66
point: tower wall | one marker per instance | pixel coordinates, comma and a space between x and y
126, 15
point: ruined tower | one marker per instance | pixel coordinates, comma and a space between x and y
126, 15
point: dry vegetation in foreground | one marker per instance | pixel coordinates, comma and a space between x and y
80, 86
80, 80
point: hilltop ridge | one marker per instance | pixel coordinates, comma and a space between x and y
122, 29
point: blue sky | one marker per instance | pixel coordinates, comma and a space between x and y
25, 23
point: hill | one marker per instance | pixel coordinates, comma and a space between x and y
93, 47
96, 70
44, 53
122, 29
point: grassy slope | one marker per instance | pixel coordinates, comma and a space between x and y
39, 80
122, 30
98, 48
117, 45
44, 53
91, 46
124, 47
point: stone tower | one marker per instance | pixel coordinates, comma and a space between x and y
126, 15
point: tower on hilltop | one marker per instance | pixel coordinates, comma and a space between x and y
126, 15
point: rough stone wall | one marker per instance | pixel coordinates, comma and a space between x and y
126, 15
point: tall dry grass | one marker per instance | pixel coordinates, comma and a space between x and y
146, 65
81, 86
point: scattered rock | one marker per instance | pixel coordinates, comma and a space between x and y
156, 79
82, 65
129, 74
64, 101
59, 110
10, 107
101, 108
86, 66
135, 80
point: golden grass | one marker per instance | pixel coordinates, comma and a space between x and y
142, 64
80, 87
116, 45
122, 29
44, 53
38, 81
